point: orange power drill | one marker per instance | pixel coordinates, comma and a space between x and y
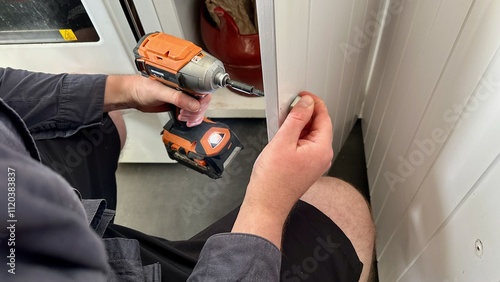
209, 147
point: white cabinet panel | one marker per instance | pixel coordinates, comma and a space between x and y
365, 35
348, 75
143, 138
457, 82
179, 18
406, 90
292, 33
468, 152
167, 15
340, 19
467, 246
406, 16
382, 58
413, 89
435, 136
317, 49
148, 16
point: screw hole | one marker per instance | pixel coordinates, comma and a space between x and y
478, 246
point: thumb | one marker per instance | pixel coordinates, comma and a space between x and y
297, 119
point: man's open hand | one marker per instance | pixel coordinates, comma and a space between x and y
295, 158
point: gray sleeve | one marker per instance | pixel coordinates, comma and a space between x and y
45, 229
237, 257
53, 105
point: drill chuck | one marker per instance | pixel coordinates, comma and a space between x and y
221, 78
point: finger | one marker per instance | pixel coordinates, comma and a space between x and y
154, 92
155, 109
183, 117
205, 101
297, 119
191, 121
187, 115
185, 101
175, 97
200, 112
194, 122
320, 127
195, 118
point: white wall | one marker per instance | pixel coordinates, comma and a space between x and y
321, 46
431, 138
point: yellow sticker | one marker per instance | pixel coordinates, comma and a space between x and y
68, 34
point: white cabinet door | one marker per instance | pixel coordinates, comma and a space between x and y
321, 46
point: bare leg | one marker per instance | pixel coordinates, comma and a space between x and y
349, 210
117, 118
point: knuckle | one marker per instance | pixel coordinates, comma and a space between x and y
177, 98
298, 116
327, 155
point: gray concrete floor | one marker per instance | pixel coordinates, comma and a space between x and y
174, 202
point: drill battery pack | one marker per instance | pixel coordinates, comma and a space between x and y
208, 154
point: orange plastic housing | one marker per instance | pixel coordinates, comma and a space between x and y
168, 52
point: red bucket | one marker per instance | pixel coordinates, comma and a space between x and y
239, 53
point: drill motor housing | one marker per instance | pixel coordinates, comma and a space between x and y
179, 64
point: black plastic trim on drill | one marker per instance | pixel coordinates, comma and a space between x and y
165, 75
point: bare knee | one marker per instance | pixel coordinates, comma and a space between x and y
350, 211
117, 118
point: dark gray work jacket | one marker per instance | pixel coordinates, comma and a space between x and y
45, 233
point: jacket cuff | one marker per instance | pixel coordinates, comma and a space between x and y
237, 257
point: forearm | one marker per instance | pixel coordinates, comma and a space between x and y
117, 92
260, 221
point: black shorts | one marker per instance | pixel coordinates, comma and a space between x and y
314, 247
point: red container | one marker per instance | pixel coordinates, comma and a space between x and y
239, 53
